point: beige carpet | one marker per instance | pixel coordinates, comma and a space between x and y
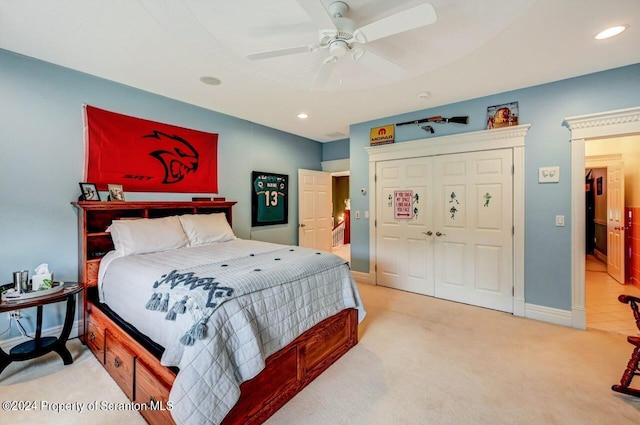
420, 360
56, 393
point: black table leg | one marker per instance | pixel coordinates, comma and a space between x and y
60, 346
5, 360
39, 345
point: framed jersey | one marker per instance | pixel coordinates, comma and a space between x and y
269, 198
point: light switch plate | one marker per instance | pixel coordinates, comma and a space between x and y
548, 174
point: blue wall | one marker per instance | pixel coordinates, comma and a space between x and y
547, 247
41, 132
338, 149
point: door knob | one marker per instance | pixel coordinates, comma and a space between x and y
302, 225
438, 234
429, 233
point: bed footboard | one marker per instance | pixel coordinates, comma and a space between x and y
287, 372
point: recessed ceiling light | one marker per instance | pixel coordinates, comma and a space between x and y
303, 116
212, 81
424, 95
610, 32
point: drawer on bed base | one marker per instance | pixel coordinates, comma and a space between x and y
95, 338
153, 395
333, 336
119, 362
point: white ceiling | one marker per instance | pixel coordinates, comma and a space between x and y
475, 48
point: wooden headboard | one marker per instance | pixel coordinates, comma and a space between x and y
94, 218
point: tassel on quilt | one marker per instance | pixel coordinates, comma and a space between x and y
153, 302
171, 315
187, 339
178, 308
197, 331
181, 306
200, 329
164, 306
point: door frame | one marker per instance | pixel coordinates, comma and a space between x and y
621, 122
502, 138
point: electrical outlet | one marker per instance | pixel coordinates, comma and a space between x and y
15, 314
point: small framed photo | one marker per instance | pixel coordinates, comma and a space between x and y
505, 115
115, 192
89, 192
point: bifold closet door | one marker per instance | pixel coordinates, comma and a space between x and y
404, 254
444, 227
473, 217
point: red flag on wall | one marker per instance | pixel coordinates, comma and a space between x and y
147, 156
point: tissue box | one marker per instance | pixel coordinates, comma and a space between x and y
38, 280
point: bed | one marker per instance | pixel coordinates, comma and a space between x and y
198, 326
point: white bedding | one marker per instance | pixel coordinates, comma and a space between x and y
242, 332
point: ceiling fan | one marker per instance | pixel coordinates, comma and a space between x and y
340, 35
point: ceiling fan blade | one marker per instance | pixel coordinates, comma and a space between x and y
381, 65
324, 74
318, 13
409, 19
281, 52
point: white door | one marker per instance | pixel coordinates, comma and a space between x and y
458, 245
404, 249
615, 222
473, 225
314, 209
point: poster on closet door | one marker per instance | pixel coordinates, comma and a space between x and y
403, 204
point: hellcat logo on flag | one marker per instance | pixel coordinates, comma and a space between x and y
147, 156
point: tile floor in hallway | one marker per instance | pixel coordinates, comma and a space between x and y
604, 311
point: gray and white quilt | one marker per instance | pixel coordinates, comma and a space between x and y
221, 309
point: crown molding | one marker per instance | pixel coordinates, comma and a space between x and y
463, 142
617, 118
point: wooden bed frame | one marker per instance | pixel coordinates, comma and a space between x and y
135, 365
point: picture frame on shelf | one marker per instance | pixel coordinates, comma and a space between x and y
89, 192
504, 115
115, 192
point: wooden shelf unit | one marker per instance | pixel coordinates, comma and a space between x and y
95, 217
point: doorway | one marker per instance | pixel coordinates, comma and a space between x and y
605, 125
341, 234
605, 277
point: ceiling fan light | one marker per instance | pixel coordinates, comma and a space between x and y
610, 32
338, 48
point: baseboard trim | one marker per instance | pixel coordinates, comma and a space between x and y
361, 277
548, 314
7, 344
600, 256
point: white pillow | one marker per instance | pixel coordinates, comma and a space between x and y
206, 228
147, 235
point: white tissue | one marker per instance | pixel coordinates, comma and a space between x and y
42, 269
42, 273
